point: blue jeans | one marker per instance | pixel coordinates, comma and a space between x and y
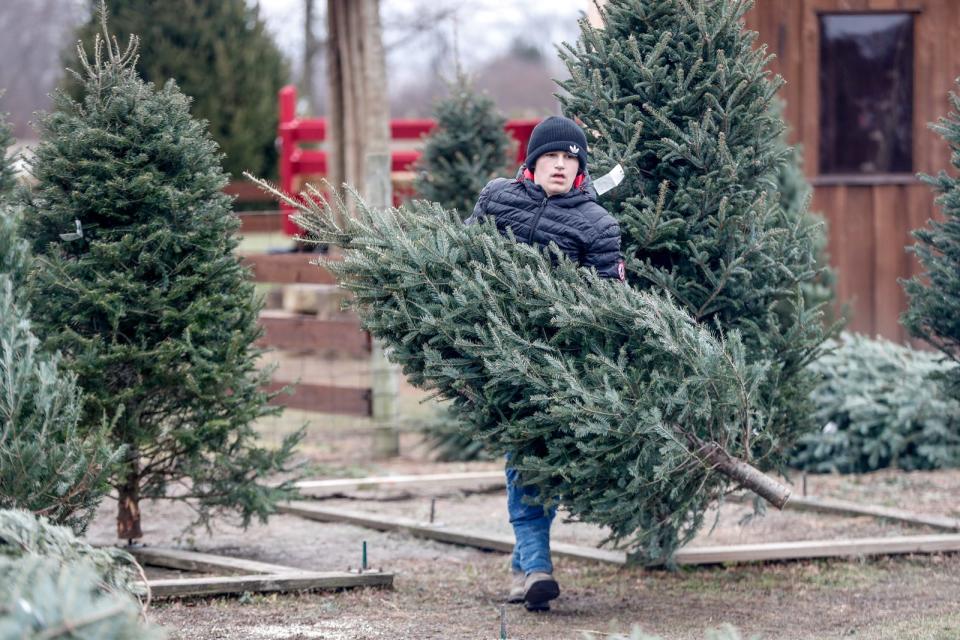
531, 528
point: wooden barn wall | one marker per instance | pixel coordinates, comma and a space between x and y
869, 219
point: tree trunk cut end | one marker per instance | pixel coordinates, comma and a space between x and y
747, 476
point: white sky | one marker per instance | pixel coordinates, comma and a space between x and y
485, 28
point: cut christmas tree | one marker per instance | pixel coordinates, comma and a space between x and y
48, 464
878, 405
612, 400
635, 407
135, 282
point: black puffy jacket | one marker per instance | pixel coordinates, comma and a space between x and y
580, 227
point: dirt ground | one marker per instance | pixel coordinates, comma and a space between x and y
443, 591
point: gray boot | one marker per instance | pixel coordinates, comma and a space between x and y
538, 590
518, 581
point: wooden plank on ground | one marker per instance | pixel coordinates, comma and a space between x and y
440, 533
295, 331
351, 484
404, 525
296, 581
809, 549
688, 556
286, 268
346, 401
845, 508
204, 562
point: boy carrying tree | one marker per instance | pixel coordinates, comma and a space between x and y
550, 201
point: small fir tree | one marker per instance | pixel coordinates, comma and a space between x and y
934, 311
137, 285
468, 148
220, 54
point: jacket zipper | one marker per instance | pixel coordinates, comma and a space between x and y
536, 221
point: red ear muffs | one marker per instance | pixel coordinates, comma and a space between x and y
527, 174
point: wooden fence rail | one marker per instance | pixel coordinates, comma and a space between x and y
287, 268
308, 333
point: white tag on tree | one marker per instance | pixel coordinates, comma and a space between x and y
68, 237
609, 181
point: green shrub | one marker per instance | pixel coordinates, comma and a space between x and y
879, 405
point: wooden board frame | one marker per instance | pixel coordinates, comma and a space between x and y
846, 508
260, 221
203, 562
264, 583
777, 551
245, 575
496, 477
348, 401
492, 477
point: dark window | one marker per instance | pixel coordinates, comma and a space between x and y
866, 93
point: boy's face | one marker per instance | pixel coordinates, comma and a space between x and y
555, 171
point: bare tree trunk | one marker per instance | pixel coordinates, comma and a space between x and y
310, 49
375, 84
128, 504
359, 155
358, 111
345, 134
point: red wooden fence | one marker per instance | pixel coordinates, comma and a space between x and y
297, 161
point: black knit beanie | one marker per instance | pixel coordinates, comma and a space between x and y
557, 133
